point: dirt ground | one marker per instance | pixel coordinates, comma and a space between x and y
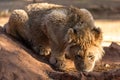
107, 16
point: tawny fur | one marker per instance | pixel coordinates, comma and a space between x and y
56, 29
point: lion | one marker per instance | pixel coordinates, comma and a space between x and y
58, 31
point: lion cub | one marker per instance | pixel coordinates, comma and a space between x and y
58, 30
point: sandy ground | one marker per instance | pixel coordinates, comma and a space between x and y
111, 30
3, 20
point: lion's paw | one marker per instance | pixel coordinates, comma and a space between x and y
42, 51
58, 63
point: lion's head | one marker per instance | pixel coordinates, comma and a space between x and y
84, 41
85, 47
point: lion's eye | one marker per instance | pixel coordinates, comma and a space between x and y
91, 57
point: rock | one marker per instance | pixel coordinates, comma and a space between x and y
115, 45
112, 54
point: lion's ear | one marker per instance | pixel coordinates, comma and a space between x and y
97, 34
86, 12
70, 35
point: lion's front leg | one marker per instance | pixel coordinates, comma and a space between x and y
57, 59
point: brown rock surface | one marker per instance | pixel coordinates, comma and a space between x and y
112, 54
19, 63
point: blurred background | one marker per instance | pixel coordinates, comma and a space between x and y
105, 12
